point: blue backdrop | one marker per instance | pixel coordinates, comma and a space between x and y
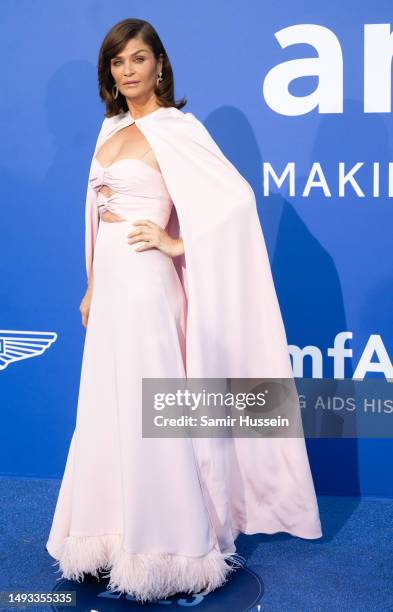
330, 253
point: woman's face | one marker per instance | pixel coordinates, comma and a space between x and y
136, 62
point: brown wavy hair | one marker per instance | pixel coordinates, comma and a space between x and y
113, 43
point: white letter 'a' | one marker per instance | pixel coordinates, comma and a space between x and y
328, 66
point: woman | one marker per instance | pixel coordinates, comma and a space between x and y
168, 217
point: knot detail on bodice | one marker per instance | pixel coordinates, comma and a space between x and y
138, 190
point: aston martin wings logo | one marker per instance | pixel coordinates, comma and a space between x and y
16, 345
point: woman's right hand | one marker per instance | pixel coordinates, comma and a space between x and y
84, 306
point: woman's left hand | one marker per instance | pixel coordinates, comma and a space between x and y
155, 237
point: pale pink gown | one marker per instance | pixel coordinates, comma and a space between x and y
134, 505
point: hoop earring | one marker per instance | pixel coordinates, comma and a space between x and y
160, 78
117, 91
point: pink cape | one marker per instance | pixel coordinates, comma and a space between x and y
234, 323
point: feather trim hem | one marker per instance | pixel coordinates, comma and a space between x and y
146, 576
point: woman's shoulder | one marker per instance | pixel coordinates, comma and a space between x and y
168, 118
165, 111
177, 112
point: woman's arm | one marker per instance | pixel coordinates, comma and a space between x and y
155, 237
90, 281
84, 306
178, 248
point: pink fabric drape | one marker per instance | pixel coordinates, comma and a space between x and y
234, 323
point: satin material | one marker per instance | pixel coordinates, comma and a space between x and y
137, 194
233, 329
126, 500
